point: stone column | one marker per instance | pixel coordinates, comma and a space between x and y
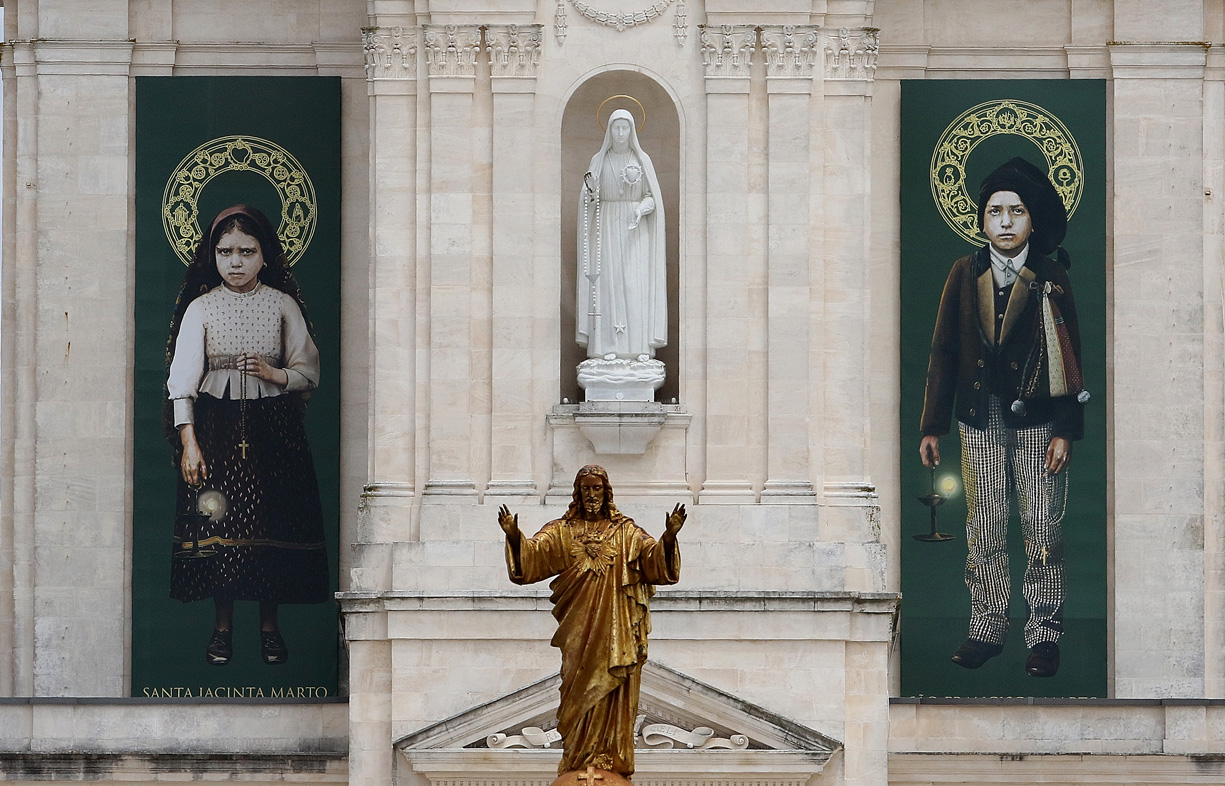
514, 53
1160, 271
371, 752
727, 53
1214, 376
66, 485
849, 67
451, 52
391, 77
791, 53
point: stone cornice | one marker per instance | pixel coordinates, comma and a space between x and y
101, 57
664, 600
1158, 59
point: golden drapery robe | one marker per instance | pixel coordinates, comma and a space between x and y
605, 575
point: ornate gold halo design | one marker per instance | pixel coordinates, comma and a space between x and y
993, 118
241, 153
641, 108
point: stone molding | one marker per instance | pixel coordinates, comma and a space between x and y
143, 767
790, 50
101, 57
386, 490
851, 52
391, 52
711, 601
514, 50
727, 50
1173, 60
451, 50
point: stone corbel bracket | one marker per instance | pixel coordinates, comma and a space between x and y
622, 428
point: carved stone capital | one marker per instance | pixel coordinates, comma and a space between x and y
727, 50
850, 52
451, 50
514, 50
391, 52
790, 50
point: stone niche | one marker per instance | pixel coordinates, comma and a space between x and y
581, 137
614, 427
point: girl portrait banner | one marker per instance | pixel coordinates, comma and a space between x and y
1003, 375
237, 388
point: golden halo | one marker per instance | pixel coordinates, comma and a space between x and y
1065, 167
641, 109
180, 211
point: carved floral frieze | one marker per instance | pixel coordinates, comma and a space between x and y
790, 50
850, 52
727, 50
514, 50
391, 52
451, 50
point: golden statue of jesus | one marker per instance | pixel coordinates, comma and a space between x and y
606, 568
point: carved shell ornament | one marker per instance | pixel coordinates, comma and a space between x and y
993, 118
180, 200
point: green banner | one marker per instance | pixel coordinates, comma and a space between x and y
202, 145
953, 134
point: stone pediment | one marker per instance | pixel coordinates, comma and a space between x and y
686, 731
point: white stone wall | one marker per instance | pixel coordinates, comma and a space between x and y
68, 302
787, 304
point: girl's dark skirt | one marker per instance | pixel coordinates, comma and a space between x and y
269, 542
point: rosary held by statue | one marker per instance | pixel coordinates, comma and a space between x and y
606, 569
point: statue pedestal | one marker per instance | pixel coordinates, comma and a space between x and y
620, 379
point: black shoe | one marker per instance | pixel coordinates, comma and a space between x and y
220, 648
1043, 660
974, 653
272, 647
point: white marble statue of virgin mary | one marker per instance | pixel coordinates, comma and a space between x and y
622, 282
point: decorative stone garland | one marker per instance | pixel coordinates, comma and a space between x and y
621, 21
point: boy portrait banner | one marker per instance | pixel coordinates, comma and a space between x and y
1003, 374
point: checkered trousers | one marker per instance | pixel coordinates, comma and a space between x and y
995, 462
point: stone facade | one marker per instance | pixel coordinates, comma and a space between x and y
464, 122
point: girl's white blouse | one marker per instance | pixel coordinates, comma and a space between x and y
222, 324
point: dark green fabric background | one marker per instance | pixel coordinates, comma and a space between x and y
174, 115
935, 606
